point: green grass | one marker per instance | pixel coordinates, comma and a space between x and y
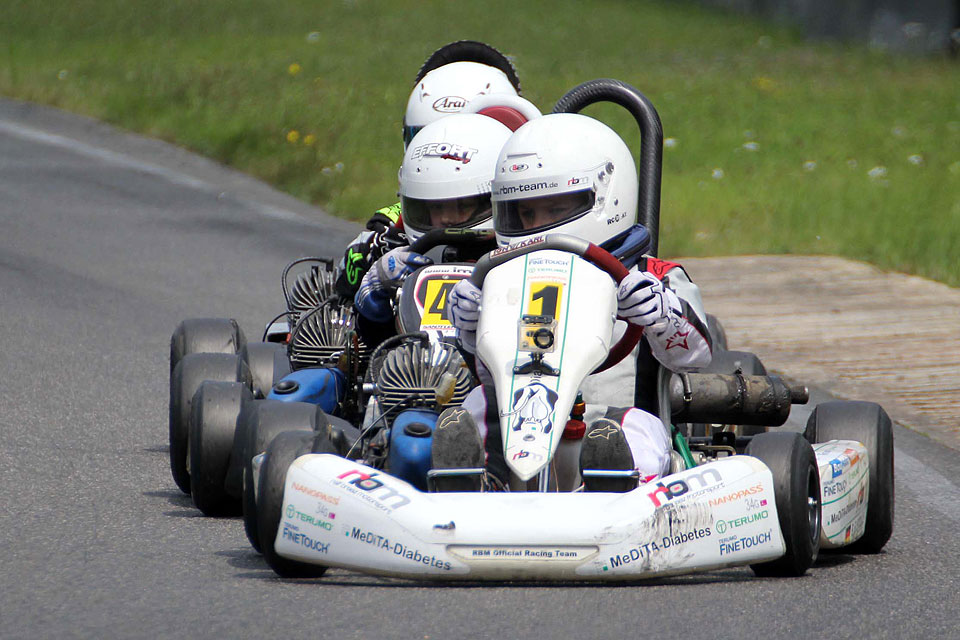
214, 76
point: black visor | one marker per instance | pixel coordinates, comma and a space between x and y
424, 215
408, 133
529, 215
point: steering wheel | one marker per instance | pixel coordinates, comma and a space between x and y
451, 236
577, 246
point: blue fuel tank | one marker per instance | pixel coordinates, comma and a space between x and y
323, 387
411, 438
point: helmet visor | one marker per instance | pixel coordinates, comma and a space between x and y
467, 211
408, 132
530, 215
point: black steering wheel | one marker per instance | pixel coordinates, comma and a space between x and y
577, 246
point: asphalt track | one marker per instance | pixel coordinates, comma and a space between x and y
107, 241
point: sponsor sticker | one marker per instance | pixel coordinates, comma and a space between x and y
368, 487
734, 544
692, 483
519, 245
534, 406
295, 515
737, 495
292, 533
647, 549
846, 459
722, 526
399, 549
313, 493
527, 554
528, 187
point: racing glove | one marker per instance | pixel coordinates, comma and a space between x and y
364, 251
643, 300
373, 296
463, 304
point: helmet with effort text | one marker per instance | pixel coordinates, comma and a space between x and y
446, 173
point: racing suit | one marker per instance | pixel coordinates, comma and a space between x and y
383, 231
626, 392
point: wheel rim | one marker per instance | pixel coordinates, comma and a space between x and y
813, 504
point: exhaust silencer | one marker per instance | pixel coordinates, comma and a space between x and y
717, 398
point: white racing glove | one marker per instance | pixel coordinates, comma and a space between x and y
463, 305
643, 300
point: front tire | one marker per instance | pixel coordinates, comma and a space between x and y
265, 420
281, 453
187, 377
213, 425
796, 483
869, 424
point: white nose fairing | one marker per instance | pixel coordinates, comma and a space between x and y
340, 513
535, 405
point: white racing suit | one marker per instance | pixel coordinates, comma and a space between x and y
624, 392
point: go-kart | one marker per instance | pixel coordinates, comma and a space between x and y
763, 508
230, 397
217, 379
770, 501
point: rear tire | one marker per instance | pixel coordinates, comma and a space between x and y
205, 335
265, 420
869, 424
281, 453
718, 334
265, 363
796, 483
187, 377
216, 407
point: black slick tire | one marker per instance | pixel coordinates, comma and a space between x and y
263, 364
260, 424
718, 334
213, 425
205, 335
281, 453
796, 483
869, 424
187, 377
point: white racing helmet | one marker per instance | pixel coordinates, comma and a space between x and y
564, 173
446, 172
448, 89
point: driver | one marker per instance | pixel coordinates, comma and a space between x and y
453, 78
444, 182
568, 173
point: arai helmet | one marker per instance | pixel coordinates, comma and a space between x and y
447, 90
